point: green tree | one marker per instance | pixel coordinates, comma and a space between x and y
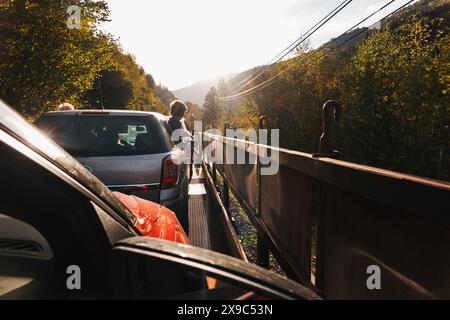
212, 110
194, 113
226, 106
111, 91
165, 95
42, 62
397, 106
393, 85
143, 96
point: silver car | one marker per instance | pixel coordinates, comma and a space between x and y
129, 151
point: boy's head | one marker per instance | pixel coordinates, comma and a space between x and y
65, 107
178, 109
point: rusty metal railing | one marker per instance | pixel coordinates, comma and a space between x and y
327, 221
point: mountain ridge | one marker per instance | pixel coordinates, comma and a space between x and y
196, 92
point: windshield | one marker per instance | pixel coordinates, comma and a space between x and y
97, 136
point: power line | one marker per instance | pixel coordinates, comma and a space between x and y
272, 79
293, 45
296, 43
279, 74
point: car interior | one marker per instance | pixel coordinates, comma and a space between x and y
27, 260
54, 228
178, 282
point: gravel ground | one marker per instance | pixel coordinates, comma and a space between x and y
245, 230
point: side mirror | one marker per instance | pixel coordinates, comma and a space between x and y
146, 268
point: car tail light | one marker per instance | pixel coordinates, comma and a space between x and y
169, 173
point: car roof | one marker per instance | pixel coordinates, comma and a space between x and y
111, 112
13, 124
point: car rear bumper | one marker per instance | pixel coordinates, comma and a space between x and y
174, 196
167, 197
151, 193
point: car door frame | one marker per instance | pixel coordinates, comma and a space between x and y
255, 279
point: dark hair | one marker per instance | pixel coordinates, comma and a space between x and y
178, 108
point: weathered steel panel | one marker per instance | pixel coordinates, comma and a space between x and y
242, 176
365, 216
411, 250
286, 209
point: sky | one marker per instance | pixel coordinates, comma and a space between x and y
181, 42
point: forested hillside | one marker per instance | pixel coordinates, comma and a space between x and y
164, 94
197, 92
44, 63
124, 85
393, 85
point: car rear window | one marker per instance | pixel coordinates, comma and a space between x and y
99, 135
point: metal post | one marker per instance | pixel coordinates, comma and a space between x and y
226, 190
226, 196
263, 124
226, 126
214, 177
262, 252
331, 110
